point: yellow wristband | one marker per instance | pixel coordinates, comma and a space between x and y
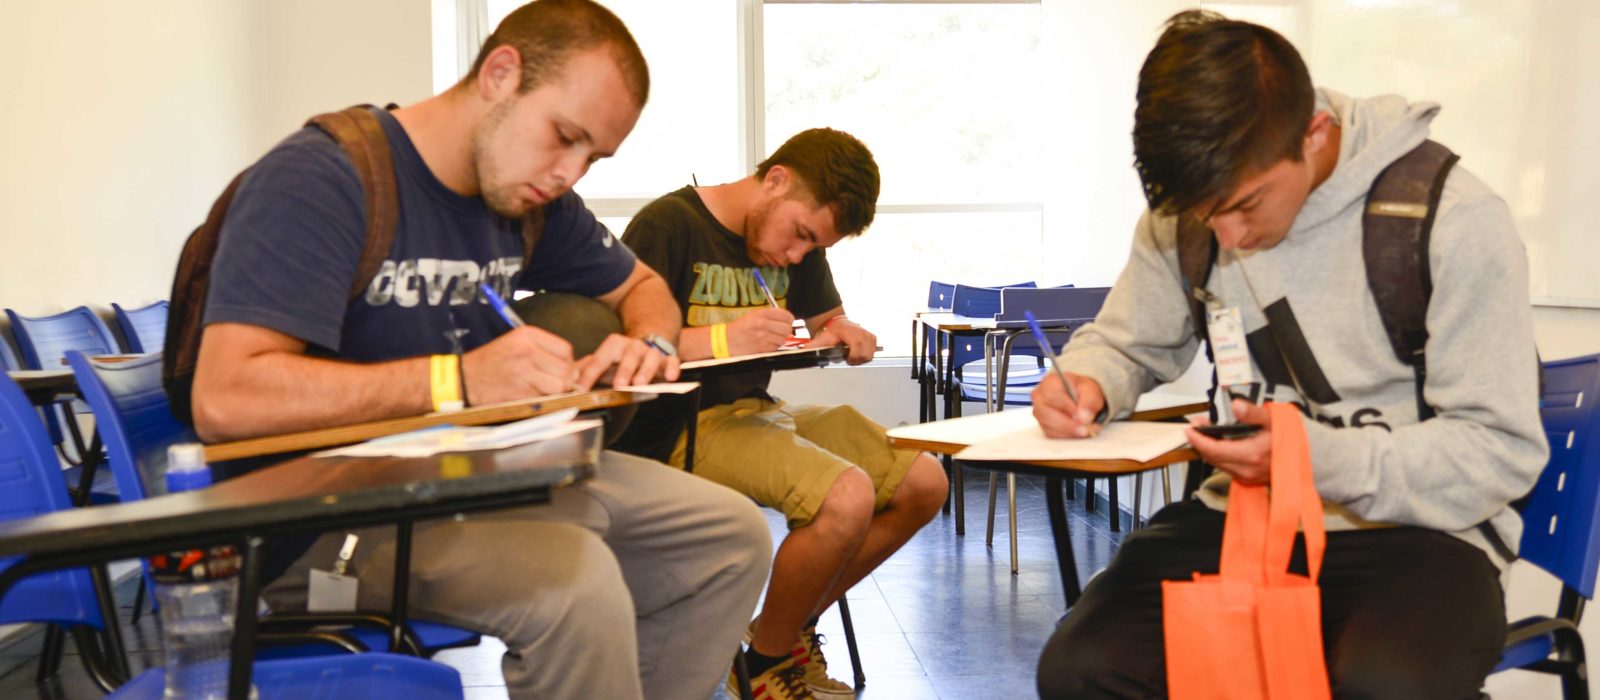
719, 341
444, 378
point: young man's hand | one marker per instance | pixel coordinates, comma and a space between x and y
760, 330
1248, 460
1056, 412
525, 362
622, 361
860, 341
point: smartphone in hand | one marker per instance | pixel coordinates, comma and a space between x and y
1232, 431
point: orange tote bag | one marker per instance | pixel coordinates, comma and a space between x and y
1253, 631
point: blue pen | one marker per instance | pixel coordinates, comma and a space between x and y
1044, 344
500, 306
764, 289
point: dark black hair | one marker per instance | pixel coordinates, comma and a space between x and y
1217, 99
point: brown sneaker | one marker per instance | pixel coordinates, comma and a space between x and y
786, 681
823, 686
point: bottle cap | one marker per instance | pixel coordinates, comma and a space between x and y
186, 457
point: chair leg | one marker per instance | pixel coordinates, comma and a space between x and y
138, 600
850, 643
1113, 512
50, 653
1011, 524
1166, 486
959, 483
994, 486
1138, 498
1088, 495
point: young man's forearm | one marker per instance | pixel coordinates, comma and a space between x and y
280, 392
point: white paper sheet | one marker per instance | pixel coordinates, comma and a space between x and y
449, 438
1140, 442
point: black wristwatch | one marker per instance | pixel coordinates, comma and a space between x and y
662, 345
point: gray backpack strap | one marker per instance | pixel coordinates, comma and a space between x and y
1401, 207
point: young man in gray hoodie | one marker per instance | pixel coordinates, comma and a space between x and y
1229, 131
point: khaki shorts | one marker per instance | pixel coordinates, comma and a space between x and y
787, 457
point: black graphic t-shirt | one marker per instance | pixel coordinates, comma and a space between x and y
713, 280
294, 235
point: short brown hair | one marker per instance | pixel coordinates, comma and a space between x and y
1217, 98
547, 32
836, 169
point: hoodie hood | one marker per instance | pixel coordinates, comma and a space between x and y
1373, 133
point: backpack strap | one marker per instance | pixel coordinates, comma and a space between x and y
359, 133
1396, 224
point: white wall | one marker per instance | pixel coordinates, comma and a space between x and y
318, 56
120, 122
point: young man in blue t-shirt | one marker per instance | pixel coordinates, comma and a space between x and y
635, 583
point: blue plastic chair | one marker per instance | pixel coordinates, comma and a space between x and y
143, 329
349, 677
1561, 525
44, 341
78, 600
137, 425
8, 359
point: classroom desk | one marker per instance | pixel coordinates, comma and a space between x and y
43, 385
477, 415
967, 431
305, 495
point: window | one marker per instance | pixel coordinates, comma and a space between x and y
946, 94
947, 97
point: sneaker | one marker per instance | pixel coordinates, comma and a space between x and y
786, 681
816, 667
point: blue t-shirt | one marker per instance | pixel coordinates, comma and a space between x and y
292, 241
293, 236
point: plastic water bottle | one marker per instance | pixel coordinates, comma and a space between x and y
198, 592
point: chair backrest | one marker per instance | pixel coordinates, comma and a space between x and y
45, 340
980, 302
134, 418
8, 358
1052, 305
1561, 527
144, 329
31, 484
940, 295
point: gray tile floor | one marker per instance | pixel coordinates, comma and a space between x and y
944, 618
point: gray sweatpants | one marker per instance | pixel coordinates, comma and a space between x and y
642, 567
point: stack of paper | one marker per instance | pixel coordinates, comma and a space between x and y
449, 438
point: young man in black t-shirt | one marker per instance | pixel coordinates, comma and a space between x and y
632, 584
850, 499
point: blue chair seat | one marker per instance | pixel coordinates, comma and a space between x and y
1526, 652
349, 677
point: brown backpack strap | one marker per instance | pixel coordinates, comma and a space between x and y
358, 131
190, 286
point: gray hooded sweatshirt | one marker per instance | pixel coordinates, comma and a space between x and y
1375, 463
